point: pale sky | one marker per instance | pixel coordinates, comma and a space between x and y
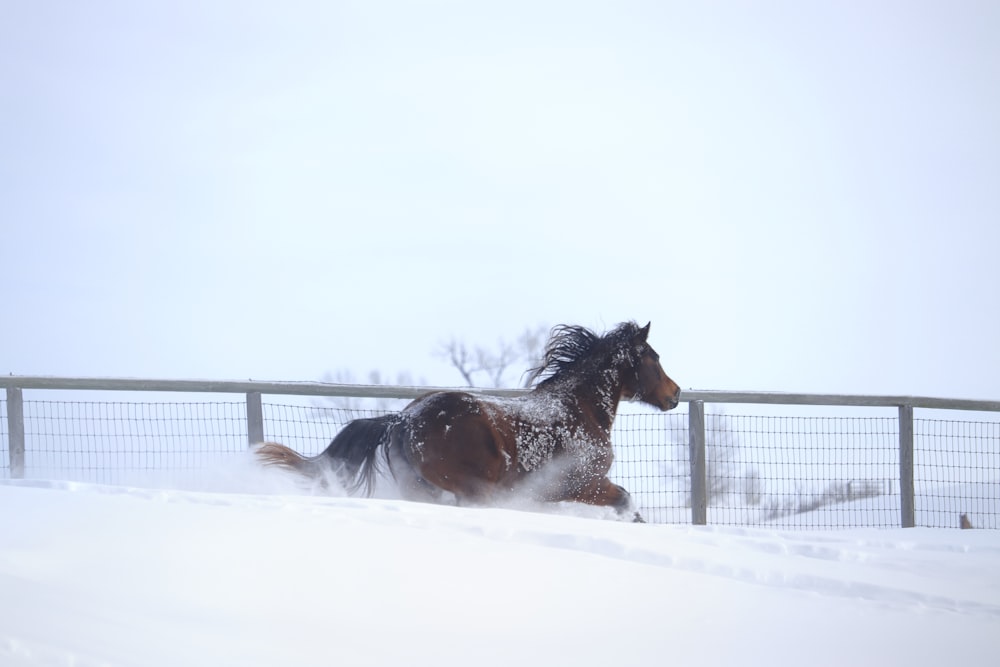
801, 196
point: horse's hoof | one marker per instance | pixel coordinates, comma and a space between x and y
637, 518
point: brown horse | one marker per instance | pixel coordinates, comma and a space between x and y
552, 444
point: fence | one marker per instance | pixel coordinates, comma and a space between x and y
824, 461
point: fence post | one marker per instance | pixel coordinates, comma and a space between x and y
255, 418
15, 431
696, 438
906, 490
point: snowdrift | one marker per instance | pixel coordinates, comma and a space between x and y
100, 575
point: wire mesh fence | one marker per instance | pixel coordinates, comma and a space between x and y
802, 471
651, 461
787, 470
113, 441
4, 439
308, 429
957, 471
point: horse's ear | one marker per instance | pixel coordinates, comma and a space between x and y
643, 333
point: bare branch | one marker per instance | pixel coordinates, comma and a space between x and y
492, 364
458, 356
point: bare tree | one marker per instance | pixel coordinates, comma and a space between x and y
721, 464
492, 364
725, 475
476, 364
753, 488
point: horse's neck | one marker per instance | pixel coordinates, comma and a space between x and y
596, 399
606, 396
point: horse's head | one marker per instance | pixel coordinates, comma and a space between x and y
649, 383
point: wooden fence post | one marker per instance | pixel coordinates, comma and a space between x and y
255, 418
907, 509
15, 431
696, 454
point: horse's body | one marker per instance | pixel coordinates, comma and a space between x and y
552, 444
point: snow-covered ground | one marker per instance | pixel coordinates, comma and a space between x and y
259, 573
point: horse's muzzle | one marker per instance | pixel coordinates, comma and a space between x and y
671, 402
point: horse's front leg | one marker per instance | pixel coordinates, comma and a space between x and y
605, 493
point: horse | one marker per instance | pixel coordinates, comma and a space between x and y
552, 444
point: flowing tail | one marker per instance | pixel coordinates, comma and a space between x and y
352, 455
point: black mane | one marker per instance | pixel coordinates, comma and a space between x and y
571, 349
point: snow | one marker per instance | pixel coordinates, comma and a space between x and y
248, 570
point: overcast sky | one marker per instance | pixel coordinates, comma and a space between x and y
801, 196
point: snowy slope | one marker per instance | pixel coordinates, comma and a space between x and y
101, 575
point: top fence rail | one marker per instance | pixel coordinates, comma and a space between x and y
387, 391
